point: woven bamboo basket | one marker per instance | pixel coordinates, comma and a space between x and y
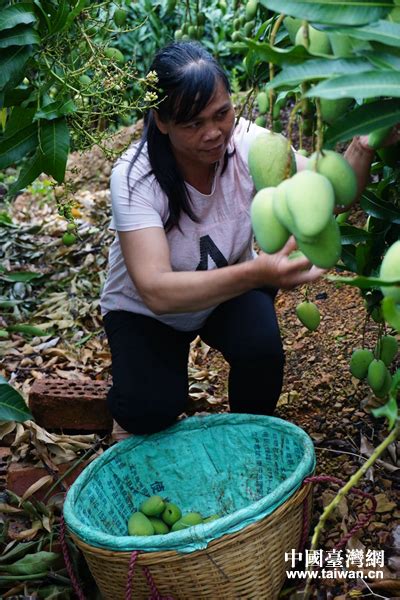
248, 564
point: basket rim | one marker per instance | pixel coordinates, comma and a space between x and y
148, 558
195, 537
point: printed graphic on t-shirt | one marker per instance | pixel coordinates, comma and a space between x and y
209, 249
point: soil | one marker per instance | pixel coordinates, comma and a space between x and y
319, 394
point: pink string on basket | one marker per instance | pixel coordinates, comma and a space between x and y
70, 569
155, 594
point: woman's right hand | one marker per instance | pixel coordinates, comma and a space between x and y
280, 271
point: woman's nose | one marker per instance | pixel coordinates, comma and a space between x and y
212, 133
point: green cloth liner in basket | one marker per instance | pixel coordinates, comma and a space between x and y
237, 465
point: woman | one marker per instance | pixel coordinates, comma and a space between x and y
182, 263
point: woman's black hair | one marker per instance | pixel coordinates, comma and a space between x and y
187, 77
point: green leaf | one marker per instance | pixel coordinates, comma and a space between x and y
384, 60
364, 85
19, 36
375, 206
12, 63
18, 119
17, 14
26, 329
16, 96
22, 276
384, 32
279, 56
54, 143
13, 149
361, 281
12, 404
80, 6
55, 110
320, 68
390, 410
362, 120
353, 235
60, 19
391, 312
30, 170
332, 12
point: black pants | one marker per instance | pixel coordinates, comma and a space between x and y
150, 360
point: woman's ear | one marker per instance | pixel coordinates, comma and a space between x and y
161, 126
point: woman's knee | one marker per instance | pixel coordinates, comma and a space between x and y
137, 416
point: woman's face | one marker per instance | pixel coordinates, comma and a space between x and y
204, 139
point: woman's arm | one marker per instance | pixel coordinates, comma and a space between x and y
146, 254
360, 156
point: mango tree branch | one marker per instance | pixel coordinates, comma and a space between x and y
353, 481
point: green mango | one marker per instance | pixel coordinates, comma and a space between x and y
211, 518
292, 25
342, 217
387, 384
262, 100
139, 524
280, 205
114, 54
160, 527
360, 361
120, 16
171, 513
325, 248
153, 506
333, 109
236, 36
377, 137
192, 32
308, 314
261, 121
339, 172
236, 24
390, 271
302, 152
387, 348
376, 374
188, 520
341, 44
310, 200
248, 28
270, 234
267, 159
318, 41
178, 35
251, 9
85, 80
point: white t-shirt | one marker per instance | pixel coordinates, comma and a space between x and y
223, 235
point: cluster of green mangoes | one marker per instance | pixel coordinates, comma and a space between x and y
374, 365
303, 203
191, 31
157, 517
244, 25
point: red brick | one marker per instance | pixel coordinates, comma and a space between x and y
21, 476
70, 405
